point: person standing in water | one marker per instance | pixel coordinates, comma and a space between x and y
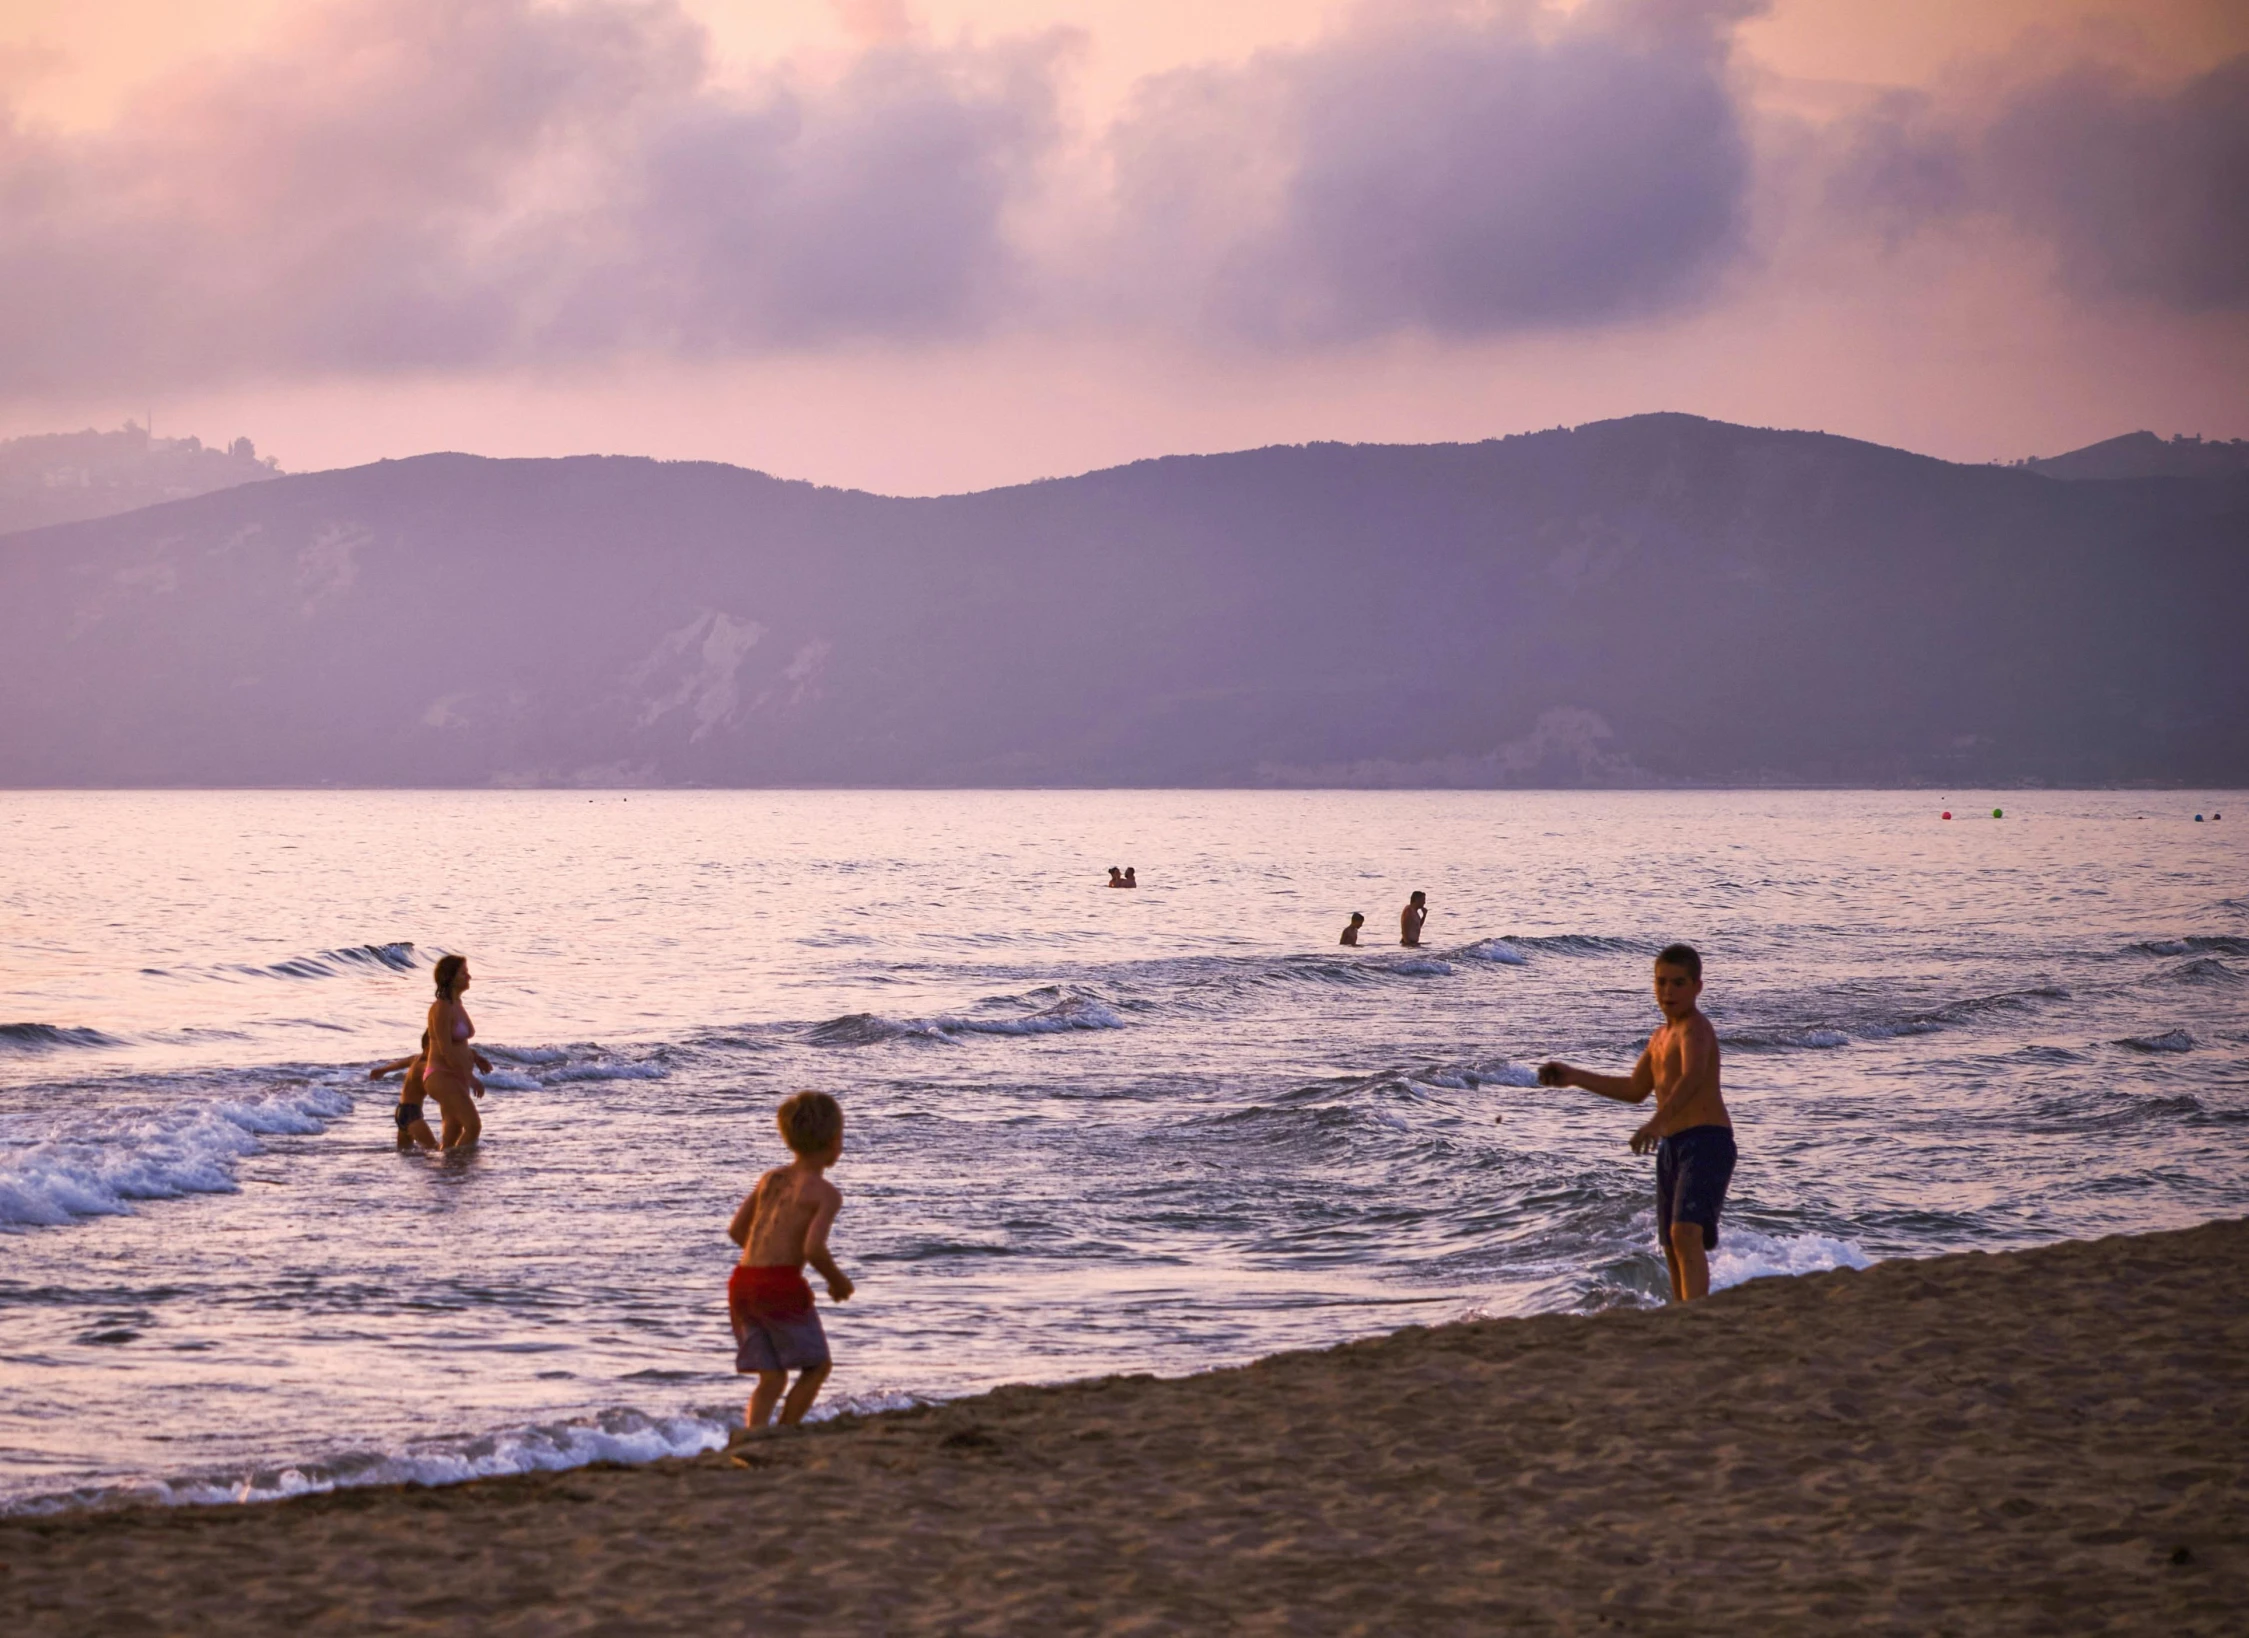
1132, 878
450, 1065
1116, 877
1691, 1133
1351, 933
1410, 919
413, 1129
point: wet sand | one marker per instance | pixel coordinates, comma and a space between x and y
2045, 1441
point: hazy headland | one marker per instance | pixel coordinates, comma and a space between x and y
1655, 601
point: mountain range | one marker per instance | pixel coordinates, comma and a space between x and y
1654, 601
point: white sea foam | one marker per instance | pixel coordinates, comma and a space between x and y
868, 1029
548, 1447
1818, 1038
1472, 1077
1744, 1254
613, 1436
149, 1154
1507, 1074
525, 1055
1497, 950
567, 1073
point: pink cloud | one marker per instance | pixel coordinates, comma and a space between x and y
446, 188
2134, 186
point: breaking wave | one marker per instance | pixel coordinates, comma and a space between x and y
2215, 943
51, 1038
1755, 1040
618, 1435
153, 1154
399, 956
1744, 1254
870, 1029
1576, 944
2171, 1040
1503, 952
2201, 970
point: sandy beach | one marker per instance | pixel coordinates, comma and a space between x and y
2045, 1441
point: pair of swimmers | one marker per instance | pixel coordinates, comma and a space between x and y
1123, 878
1409, 923
783, 1223
447, 1071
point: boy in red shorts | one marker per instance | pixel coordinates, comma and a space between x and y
781, 1226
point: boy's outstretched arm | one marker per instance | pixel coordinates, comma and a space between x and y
816, 1248
384, 1071
1632, 1088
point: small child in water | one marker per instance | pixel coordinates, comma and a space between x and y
413, 1129
1351, 932
781, 1226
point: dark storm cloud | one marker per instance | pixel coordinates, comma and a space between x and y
2141, 190
1466, 170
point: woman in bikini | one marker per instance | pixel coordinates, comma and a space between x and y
449, 1066
413, 1130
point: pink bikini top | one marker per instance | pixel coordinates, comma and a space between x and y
462, 1028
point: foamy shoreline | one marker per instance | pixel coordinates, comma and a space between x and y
2048, 1440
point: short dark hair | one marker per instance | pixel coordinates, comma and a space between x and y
448, 973
810, 1122
1681, 955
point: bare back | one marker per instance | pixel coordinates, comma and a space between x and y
789, 1212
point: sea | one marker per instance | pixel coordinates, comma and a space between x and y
1089, 1131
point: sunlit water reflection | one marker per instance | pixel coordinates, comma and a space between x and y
1090, 1131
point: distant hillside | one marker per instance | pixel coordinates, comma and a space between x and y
1660, 600
2144, 455
61, 477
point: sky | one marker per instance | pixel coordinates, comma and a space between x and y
923, 246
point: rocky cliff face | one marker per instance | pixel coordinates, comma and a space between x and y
1658, 600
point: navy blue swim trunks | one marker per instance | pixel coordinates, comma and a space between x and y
1692, 1170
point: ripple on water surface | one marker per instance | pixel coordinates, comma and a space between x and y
1088, 1131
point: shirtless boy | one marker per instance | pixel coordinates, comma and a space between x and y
1691, 1133
1410, 919
781, 1226
1351, 932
